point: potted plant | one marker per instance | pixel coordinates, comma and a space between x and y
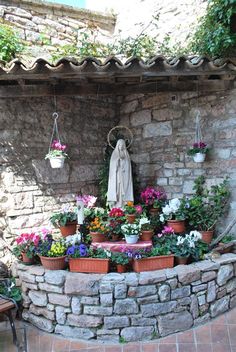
57, 154
52, 254
131, 232
185, 246
174, 213
121, 260
25, 247
130, 211
153, 199
226, 245
154, 259
116, 218
86, 260
146, 229
198, 151
65, 220
97, 230
206, 206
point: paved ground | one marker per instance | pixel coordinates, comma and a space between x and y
217, 336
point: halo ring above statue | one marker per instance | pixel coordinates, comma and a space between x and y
128, 139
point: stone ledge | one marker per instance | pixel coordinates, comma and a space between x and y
132, 306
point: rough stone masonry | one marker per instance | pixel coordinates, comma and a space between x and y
129, 306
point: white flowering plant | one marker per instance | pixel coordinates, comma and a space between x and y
190, 245
72, 240
175, 209
130, 229
145, 224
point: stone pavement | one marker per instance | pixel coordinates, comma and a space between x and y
219, 335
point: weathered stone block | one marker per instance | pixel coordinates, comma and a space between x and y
224, 274
79, 333
201, 300
208, 276
148, 299
211, 291
84, 321
115, 322
140, 321
98, 310
231, 285
174, 322
39, 278
194, 307
187, 273
38, 298
142, 291
36, 270
219, 306
156, 129
61, 300
113, 277
151, 310
199, 288
141, 118
76, 305
90, 301
42, 311
60, 315
50, 288
164, 293
105, 287
126, 306
152, 277
82, 284
181, 292
201, 320
120, 291
40, 322
106, 299
137, 333
55, 277
25, 276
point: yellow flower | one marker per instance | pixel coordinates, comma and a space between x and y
130, 204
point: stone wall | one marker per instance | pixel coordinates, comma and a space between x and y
30, 189
44, 26
128, 306
164, 128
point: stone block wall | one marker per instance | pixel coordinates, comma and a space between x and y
164, 129
129, 306
30, 189
44, 25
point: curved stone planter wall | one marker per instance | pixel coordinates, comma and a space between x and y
132, 306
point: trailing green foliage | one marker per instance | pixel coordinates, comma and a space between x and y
8, 289
214, 35
10, 44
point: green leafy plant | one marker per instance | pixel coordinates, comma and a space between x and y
227, 238
207, 205
10, 44
119, 258
187, 245
66, 215
214, 35
8, 289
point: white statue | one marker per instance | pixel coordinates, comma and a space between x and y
120, 183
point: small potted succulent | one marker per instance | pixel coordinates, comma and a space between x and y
57, 154
87, 260
153, 199
65, 220
25, 247
121, 260
146, 229
174, 213
131, 233
198, 151
98, 230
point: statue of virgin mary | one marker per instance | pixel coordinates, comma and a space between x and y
120, 183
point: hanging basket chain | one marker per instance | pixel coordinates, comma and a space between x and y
198, 134
54, 130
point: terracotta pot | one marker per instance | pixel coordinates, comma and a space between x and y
131, 218
89, 265
207, 236
26, 259
97, 237
120, 268
53, 263
177, 225
115, 237
146, 235
69, 229
153, 263
154, 211
181, 260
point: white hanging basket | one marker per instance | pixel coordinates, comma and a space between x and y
131, 239
57, 162
199, 157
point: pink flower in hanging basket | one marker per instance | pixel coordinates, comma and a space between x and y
57, 150
198, 147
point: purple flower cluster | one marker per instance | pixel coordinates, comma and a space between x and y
200, 145
77, 250
149, 195
56, 145
137, 254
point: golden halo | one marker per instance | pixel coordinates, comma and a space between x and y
130, 140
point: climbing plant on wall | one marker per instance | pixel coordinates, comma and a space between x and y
10, 43
216, 34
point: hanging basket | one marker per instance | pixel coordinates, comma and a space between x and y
57, 162
199, 157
